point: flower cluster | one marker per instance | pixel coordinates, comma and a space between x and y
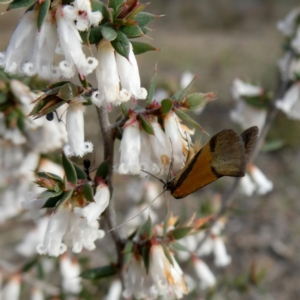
164, 278
22, 146
114, 68
154, 152
74, 223
32, 50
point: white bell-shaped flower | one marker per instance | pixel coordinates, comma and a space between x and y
263, 184
168, 278
130, 147
129, 75
205, 275
71, 46
177, 139
287, 26
75, 127
42, 58
70, 273
161, 147
243, 89
107, 77
222, 259
290, 103
93, 210
19, 49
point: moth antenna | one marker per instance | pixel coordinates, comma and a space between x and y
153, 176
137, 214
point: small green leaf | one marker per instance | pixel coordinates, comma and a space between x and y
100, 272
95, 35
128, 251
79, 172
124, 109
146, 257
43, 11
66, 196
121, 44
146, 125
100, 6
145, 30
180, 233
68, 91
167, 254
151, 87
108, 32
20, 3
54, 177
88, 192
138, 8
146, 229
115, 4
179, 247
52, 201
21, 123
140, 48
132, 31
132, 235
144, 18
46, 105
102, 170
85, 36
259, 102
49, 194
181, 94
128, 247
183, 116
166, 106
69, 169
56, 85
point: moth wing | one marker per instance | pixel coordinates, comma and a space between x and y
249, 137
228, 154
223, 155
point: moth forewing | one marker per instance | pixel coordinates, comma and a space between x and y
249, 137
228, 154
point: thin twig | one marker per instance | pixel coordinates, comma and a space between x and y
110, 214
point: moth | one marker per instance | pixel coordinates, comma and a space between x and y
225, 154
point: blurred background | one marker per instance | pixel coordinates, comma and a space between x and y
222, 40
